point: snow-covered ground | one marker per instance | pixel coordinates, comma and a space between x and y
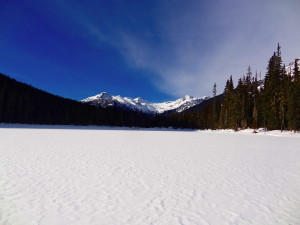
56, 175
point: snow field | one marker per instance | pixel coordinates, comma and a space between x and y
108, 176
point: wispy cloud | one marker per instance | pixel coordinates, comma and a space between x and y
201, 42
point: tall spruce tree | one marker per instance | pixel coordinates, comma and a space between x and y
255, 95
283, 99
293, 100
249, 91
272, 91
226, 120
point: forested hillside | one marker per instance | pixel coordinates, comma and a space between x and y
22, 103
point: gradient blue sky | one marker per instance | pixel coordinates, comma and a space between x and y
158, 50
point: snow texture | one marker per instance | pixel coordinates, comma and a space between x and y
55, 175
138, 104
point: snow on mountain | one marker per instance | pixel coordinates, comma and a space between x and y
138, 104
291, 66
179, 105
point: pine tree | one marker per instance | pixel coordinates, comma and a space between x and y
214, 107
283, 99
249, 98
226, 118
293, 101
272, 91
255, 95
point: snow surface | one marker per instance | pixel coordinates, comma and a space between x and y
60, 175
106, 100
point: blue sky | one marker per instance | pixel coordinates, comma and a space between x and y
157, 50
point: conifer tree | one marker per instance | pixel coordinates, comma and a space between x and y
293, 114
249, 98
255, 95
272, 91
214, 108
283, 99
227, 119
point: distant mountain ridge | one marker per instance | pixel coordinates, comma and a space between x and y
138, 104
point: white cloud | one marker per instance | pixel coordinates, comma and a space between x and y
202, 43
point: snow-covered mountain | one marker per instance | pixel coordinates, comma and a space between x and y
138, 104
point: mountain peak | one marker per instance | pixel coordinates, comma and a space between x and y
138, 104
140, 100
105, 95
187, 97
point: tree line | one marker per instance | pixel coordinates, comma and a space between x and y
272, 102
22, 103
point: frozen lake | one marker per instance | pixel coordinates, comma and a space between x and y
109, 176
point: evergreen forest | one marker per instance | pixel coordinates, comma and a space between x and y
22, 103
272, 103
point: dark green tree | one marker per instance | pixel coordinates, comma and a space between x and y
272, 91
293, 100
214, 107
